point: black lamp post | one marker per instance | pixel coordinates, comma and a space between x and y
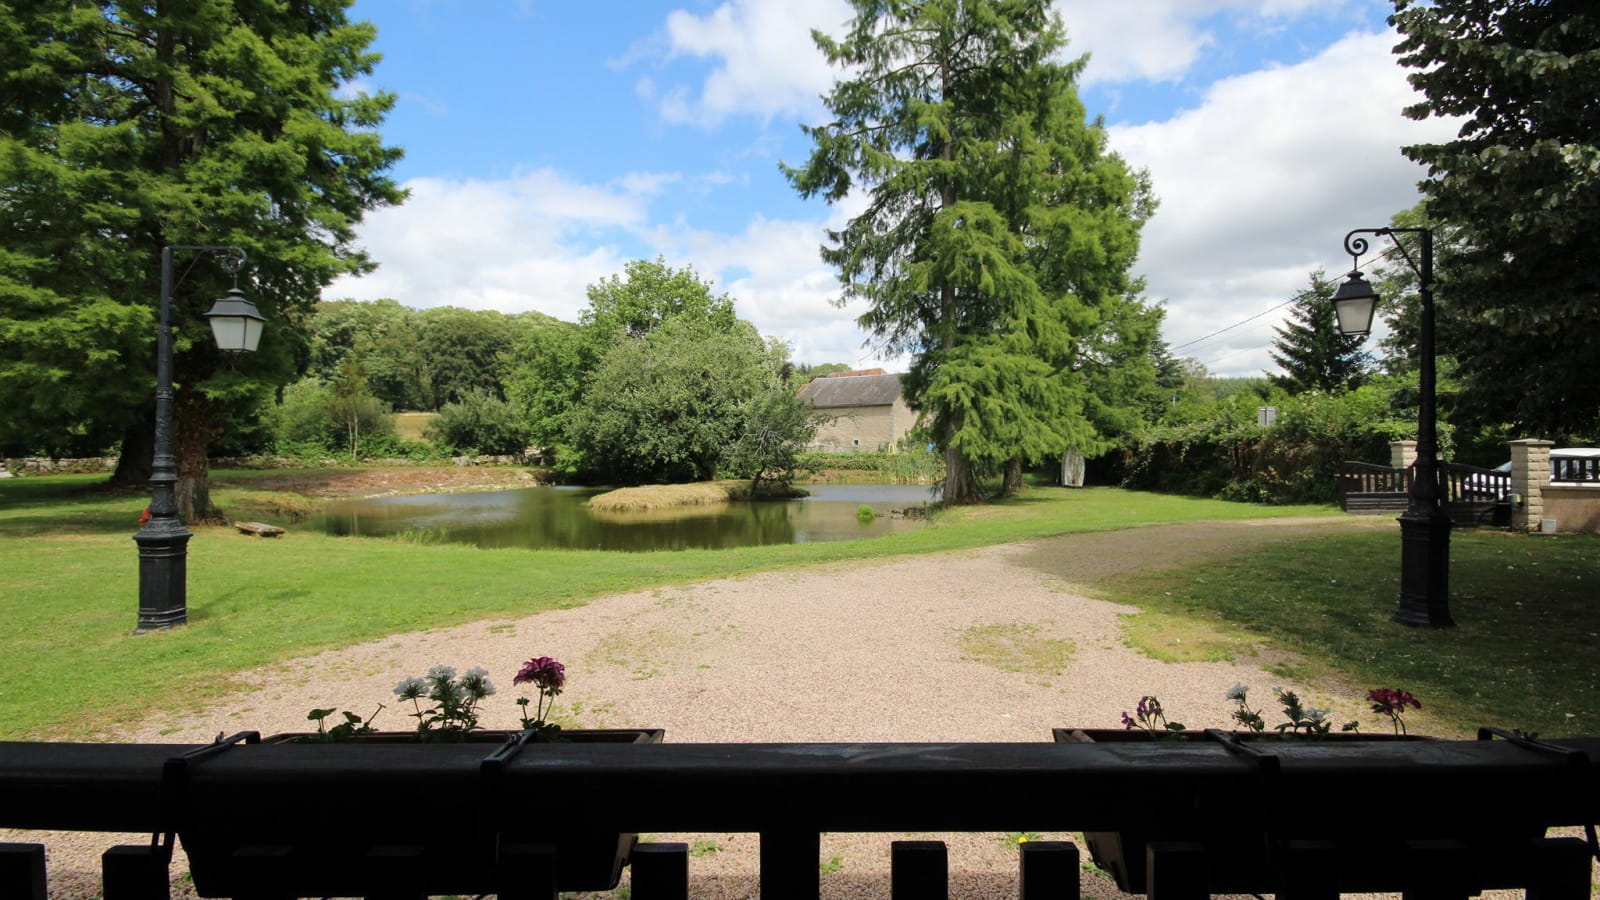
163, 541
1424, 526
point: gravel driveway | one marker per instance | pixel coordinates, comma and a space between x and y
993, 644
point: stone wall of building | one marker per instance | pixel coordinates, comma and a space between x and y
1543, 506
1572, 508
870, 428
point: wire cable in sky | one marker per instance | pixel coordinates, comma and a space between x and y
1209, 363
1382, 255
1232, 327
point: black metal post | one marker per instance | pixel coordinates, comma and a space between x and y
163, 541
1424, 526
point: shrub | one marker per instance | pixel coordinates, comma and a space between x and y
911, 466
480, 423
1296, 460
313, 419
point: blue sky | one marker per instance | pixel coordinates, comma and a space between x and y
547, 143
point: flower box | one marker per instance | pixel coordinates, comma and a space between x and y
345, 843
1242, 865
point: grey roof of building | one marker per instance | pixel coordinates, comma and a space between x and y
852, 390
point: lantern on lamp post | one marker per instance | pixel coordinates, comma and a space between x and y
163, 541
1424, 526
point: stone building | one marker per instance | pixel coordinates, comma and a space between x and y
867, 408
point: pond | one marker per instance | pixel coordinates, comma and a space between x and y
557, 517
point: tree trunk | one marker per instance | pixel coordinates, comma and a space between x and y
1012, 485
137, 462
960, 487
192, 433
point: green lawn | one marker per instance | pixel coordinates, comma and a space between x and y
1525, 652
68, 590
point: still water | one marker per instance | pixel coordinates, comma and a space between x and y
558, 517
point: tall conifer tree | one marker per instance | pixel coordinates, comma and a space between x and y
1309, 348
998, 231
129, 126
1517, 196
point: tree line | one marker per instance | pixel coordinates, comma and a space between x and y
659, 380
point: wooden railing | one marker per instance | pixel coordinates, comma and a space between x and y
1298, 819
1575, 469
1474, 484
1368, 478
1367, 488
1471, 495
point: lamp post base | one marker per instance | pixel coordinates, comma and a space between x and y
1424, 569
163, 571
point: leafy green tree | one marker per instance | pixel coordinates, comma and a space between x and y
1519, 186
315, 417
778, 426
998, 228
645, 296
806, 373
480, 422
550, 368
668, 405
127, 127
1310, 349
382, 336
548, 373
465, 350
351, 404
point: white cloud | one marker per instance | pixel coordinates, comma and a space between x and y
538, 240
1160, 40
530, 242
1259, 184
1150, 41
779, 283
765, 63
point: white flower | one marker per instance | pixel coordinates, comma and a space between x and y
410, 688
476, 683
1238, 691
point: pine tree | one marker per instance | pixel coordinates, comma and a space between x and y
998, 231
128, 127
1517, 194
1309, 348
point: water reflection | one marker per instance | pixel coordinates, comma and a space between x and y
558, 517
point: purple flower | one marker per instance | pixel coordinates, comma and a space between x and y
1127, 720
544, 673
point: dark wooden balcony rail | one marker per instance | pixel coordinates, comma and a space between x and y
1371, 478
1575, 469
1298, 819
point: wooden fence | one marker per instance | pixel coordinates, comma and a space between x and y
1299, 819
1471, 495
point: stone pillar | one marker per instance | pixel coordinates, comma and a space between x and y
1530, 472
1402, 454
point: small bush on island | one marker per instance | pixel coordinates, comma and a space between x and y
663, 496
